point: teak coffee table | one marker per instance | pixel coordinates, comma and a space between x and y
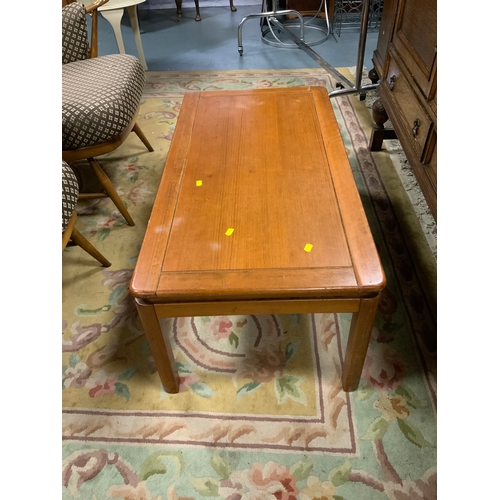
257, 212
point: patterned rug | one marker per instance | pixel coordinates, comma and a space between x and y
261, 413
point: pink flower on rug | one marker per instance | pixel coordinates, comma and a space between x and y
101, 383
186, 381
172, 494
81, 336
263, 365
138, 193
76, 376
166, 115
131, 492
318, 82
114, 278
105, 222
220, 327
391, 407
262, 482
317, 490
383, 368
263, 84
129, 167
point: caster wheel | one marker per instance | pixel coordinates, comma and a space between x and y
338, 85
362, 96
240, 50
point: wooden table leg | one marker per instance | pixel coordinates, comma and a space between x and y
161, 350
357, 344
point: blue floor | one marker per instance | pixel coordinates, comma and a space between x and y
212, 43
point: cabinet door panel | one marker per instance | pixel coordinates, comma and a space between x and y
415, 39
385, 34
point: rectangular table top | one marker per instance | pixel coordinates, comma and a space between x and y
257, 201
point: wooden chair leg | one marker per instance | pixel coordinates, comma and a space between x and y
88, 247
197, 6
66, 236
142, 137
110, 190
178, 4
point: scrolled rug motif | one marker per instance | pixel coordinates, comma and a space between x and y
261, 413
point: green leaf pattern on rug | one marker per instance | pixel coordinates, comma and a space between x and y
302, 470
82, 310
409, 396
291, 350
383, 375
154, 464
221, 466
201, 389
413, 434
394, 407
288, 387
377, 429
206, 486
128, 373
340, 475
122, 390
183, 367
234, 340
247, 389
364, 392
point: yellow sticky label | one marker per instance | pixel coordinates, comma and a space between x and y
308, 247
230, 231
199, 183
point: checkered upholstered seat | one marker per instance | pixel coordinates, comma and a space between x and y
100, 95
99, 98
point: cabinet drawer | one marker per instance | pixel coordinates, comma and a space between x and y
415, 121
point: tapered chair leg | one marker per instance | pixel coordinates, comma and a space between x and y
142, 137
88, 247
110, 190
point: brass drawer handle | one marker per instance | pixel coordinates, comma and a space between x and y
392, 81
416, 124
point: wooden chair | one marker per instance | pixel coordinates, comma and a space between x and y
70, 192
178, 4
100, 97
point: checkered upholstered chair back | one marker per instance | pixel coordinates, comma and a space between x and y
75, 44
100, 96
70, 192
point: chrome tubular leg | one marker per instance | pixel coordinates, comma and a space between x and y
271, 18
240, 28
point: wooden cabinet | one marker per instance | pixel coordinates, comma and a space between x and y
405, 61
